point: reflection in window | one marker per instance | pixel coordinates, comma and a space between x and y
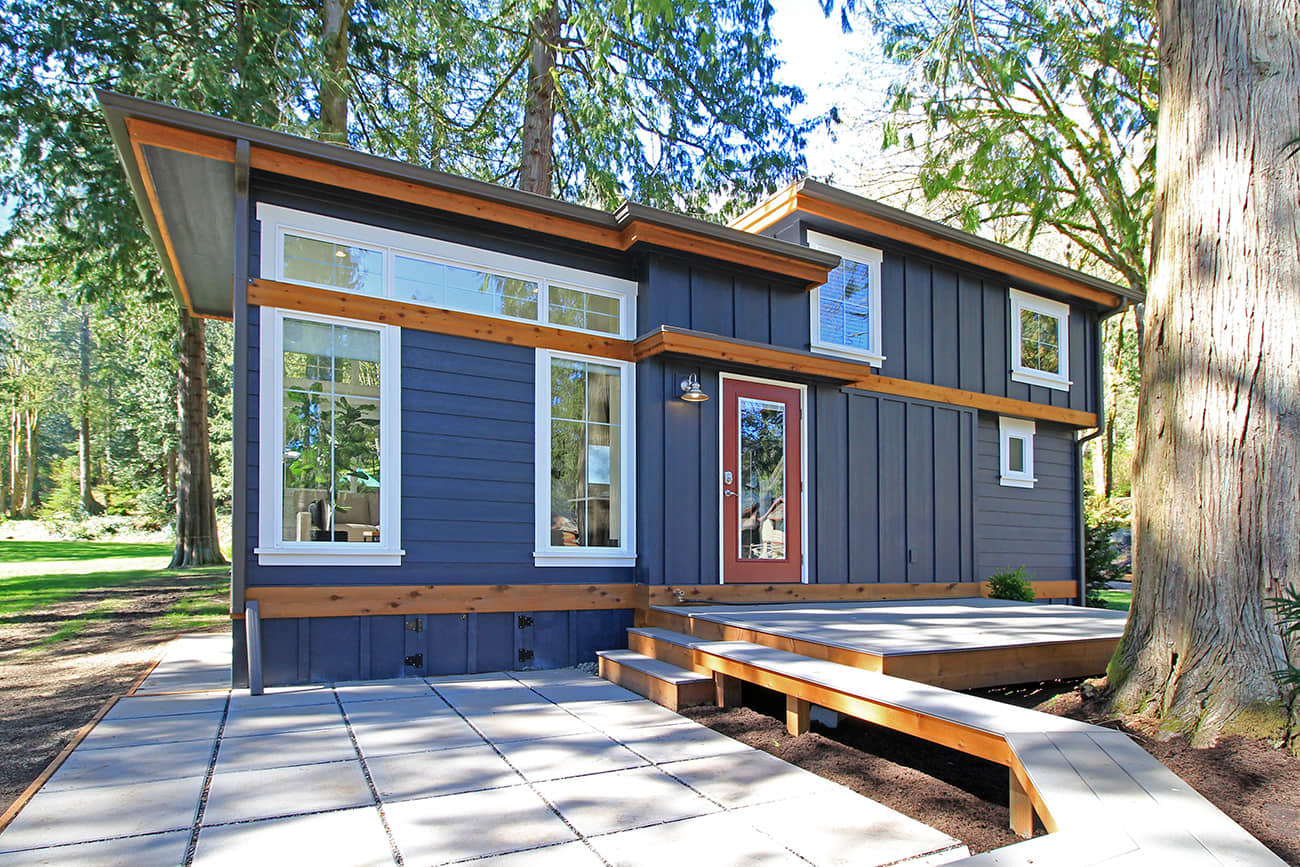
467, 289
844, 306
330, 454
583, 309
586, 462
762, 479
1040, 341
325, 263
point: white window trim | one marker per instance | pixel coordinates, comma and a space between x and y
1047, 307
277, 220
271, 549
546, 554
1022, 429
869, 256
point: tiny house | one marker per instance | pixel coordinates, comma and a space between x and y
475, 427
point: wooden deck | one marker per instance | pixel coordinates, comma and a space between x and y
953, 643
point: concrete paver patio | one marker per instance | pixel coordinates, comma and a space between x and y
524, 768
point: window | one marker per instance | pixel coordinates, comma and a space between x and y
314, 250
329, 462
846, 309
584, 461
1040, 349
1016, 437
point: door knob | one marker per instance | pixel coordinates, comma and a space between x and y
730, 494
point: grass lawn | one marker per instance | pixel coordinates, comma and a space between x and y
38, 575
1117, 599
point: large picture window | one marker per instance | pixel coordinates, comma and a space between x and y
345, 256
329, 477
846, 308
584, 461
1040, 344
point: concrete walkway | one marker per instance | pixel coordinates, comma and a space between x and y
524, 768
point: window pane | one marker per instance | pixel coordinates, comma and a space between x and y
1016, 454
844, 306
583, 310
585, 454
331, 461
352, 269
465, 289
1040, 341
762, 479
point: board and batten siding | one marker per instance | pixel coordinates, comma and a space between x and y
1032, 527
947, 323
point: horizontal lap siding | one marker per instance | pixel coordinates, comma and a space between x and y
1031, 527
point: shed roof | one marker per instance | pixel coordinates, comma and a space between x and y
181, 167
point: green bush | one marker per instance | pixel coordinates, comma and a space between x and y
1011, 585
1099, 559
1287, 607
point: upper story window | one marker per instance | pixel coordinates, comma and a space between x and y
584, 461
1016, 451
846, 309
1040, 334
329, 476
300, 247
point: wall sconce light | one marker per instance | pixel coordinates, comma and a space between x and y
691, 390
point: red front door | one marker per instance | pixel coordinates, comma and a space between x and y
762, 483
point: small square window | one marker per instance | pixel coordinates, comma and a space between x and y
846, 308
1040, 349
1016, 450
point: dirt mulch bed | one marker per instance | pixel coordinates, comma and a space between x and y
51, 690
1254, 783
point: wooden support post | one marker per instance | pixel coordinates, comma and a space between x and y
797, 714
726, 689
1022, 809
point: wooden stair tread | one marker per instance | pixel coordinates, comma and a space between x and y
654, 667
668, 636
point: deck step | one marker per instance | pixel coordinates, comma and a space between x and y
665, 644
659, 681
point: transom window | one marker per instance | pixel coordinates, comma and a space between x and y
314, 250
1040, 349
328, 475
846, 309
1016, 451
584, 461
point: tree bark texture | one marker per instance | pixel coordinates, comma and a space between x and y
1217, 462
15, 457
31, 437
537, 162
334, 79
197, 542
83, 434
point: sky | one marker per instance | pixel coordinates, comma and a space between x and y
833, 69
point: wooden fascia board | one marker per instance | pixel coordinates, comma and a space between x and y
851, 374
786, 203
356, 601
307, 299
610, 237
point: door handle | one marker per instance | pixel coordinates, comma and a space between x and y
730, 494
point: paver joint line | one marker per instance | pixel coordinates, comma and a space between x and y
374, 792
207, 785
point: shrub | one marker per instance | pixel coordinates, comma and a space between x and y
1287, 607
1099, 553
1011, 585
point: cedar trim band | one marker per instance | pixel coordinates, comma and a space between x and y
342, 601
793, 199
326, 302
144, 132
852, 374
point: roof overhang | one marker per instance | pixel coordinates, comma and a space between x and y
181, 167
816, 199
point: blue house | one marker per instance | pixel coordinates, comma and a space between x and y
477, 429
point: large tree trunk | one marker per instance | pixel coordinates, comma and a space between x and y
536, 166
197, 543
83, 434
31, 426
334, 76
15, 457
1217, 487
